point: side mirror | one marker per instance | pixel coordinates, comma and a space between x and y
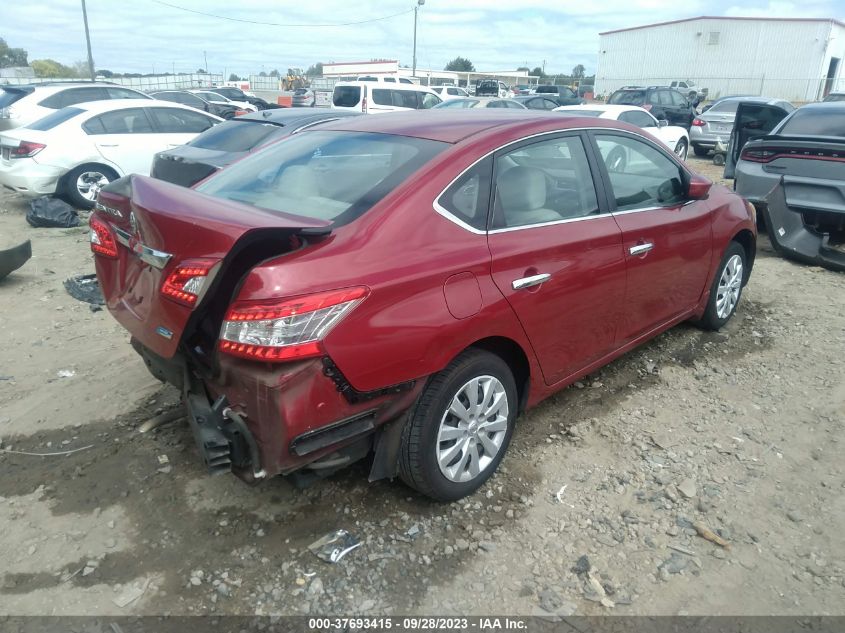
698, 188
662, 122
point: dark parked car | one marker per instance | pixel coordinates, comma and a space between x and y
408, 284
661, 101
790, 166
186, 98
236, 94
834, 96
538, 102
564, 95
490, 88
227, 142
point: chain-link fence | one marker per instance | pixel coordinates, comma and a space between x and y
797, 90
146, 84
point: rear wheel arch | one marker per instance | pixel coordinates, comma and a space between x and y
746, 239
516, 359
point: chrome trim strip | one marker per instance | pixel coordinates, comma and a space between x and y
157, 259
552, 223
452, 218
530, 282
640, 249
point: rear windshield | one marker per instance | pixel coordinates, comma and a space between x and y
236, 136
8, 97
54, 118
725, 107
346, 96
627, 97
334, 176
816, 122
546, 90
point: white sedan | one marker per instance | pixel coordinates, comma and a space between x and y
673, 137
74, 151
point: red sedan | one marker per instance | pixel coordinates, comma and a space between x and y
407, 285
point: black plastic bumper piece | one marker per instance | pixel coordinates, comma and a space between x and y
792, 239
13, 258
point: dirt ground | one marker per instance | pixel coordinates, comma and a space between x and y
594, 510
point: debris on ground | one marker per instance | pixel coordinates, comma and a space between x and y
51, 213
334, 546
13, 258
708, 534
85, 288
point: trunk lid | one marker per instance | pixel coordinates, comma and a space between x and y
159, 227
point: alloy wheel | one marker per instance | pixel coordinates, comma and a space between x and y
730, 285
89, 184
472, 429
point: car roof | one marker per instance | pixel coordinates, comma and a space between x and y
824, 105
450, 125
98, 107
389, 85
754, 99
294, 116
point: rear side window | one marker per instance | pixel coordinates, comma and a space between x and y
178, 121
72, 96
405, 81
640, 119
124, 93
406, 99
468, 198
127, 121
237, 136
8, 97
346, 96
324, 175
54, 118
816, 122
627, 97
546, 90
382, 96
678, 99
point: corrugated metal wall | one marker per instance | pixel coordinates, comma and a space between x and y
786, 59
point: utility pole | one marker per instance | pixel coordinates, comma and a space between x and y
416, 7
205, 59
88, 42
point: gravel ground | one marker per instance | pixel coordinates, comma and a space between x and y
614, 497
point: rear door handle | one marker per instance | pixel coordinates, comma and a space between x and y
641, 249
529, 282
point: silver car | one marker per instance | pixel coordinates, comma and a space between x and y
717, 122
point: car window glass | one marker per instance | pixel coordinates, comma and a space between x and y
405, 81
678, 99
640, 119
406, 99
641, 176
725, 107
469, 196
180, 121
816, 122
543, 182
54, 118
664, 97
548, 104
452, 91
237, 135
72, 96
382, 96
513, 105
346, 96
126, 121
123, 93
429, 101
390, 80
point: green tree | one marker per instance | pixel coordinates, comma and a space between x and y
274, 73
105, 73
315, 70
578, 71
524, 69
538, 72
460, 64
262, 74
51, 69
11, 57
201, 71
233, 77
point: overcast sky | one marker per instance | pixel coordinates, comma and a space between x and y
146, 36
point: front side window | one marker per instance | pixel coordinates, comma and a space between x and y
429, 101
678, 99
640, 119
641, 176
324, 175
179, 121
126, 121
547, 181
468, 198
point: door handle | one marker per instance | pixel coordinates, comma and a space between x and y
529, 282
641, 249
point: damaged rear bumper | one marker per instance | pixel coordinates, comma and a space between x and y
792, 237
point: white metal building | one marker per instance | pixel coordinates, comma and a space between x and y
424, 76
794, 59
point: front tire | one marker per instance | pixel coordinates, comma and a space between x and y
82, 184
726, 289
460, 428
681, 149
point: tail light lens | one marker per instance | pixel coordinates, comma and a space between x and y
240, 112
698, 122
102, 238
185, 283
758, 155
287, 329
26, 149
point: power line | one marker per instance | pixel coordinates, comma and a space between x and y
224, 17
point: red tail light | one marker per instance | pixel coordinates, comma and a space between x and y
26, 149
759, 155
240, 112
698, 122
286, 329
647, 107
185, 283
102, 238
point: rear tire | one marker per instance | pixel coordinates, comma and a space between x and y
726, 290
459, 429
700, 151
82, 184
